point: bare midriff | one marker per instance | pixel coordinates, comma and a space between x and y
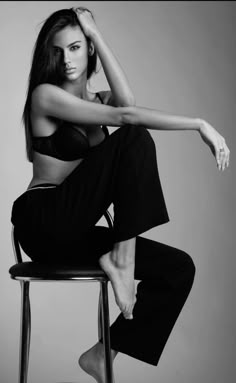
48, 169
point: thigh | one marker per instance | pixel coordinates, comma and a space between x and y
77, 203
81, 199
86, 250
90, 188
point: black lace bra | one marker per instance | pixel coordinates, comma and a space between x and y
67, 143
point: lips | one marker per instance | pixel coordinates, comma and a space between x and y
68, 70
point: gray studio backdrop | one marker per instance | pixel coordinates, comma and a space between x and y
179, 57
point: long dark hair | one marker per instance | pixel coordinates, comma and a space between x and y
45, 66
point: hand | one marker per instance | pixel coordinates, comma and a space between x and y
86, 21
216, 142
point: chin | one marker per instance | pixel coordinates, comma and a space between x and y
71, 75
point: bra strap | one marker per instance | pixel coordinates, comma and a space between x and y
100, 98
104, 128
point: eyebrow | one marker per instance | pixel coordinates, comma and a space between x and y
77, 41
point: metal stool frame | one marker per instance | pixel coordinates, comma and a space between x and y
25, 326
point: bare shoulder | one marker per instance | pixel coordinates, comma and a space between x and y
51, 100
41, 94
43, 89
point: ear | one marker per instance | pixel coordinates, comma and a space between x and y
91, 49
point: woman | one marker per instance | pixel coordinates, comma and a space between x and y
79, 170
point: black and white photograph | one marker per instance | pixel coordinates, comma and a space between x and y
117, 191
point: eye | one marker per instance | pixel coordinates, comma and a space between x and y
56, 51
75, 47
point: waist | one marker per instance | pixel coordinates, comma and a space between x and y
51, 170
45, 185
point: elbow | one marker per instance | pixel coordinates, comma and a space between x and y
129, 101
132, 101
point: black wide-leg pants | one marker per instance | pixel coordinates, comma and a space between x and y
57, 224
166, 276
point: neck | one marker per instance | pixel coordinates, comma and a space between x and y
78, 88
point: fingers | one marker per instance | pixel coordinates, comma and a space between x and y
75, 9
80, 10
227, 154
222, 155
216, 143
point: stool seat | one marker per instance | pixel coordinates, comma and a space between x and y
36, 270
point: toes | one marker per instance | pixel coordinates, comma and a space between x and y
128, 316
126, 309
128, 312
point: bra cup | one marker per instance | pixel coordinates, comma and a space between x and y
71, 142
67, 143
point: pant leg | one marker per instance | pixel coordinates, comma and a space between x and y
166, 276
121, 170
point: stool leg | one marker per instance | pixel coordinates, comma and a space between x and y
100, 314
106, 332
25, 332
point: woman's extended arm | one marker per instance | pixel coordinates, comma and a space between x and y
121, 94
50, 100
156, 120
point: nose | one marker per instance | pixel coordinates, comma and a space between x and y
67, 60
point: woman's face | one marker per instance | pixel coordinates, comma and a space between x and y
70, 46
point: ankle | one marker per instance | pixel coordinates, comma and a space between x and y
122, 262
123, 254
100, 353
99, 350
125, 246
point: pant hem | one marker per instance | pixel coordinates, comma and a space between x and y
152, 361
132, 232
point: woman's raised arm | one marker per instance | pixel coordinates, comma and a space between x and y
120, 94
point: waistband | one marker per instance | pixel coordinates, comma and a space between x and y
43, 186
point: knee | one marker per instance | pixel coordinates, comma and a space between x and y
136, 131
189, 268
138, 135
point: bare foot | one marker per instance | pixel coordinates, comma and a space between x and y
93, 362
122, 280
